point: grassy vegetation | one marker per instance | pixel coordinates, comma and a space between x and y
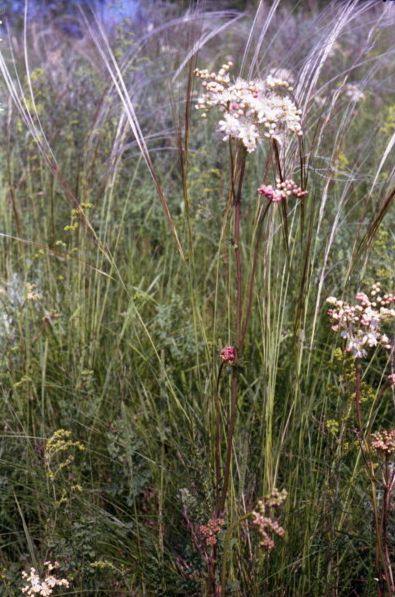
119, 286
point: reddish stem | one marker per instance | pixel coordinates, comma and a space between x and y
229, 440
218, 433
236, 193
250, 292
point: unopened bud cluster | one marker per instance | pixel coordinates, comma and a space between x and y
253, 110
362, 324
208, 532
282, 191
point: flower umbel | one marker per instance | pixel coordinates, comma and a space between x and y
253, 110
361, 324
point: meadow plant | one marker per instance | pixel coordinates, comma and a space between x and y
254, 111
166, 358
383, 443
362, 326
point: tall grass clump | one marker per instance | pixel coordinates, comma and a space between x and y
182, 410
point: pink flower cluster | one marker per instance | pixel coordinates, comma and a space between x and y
267, 526
361, 324
228, 354
208, 532
282, 191
274, 195
391, 380
384, 441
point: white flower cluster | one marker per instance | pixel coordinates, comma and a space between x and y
361, 324
354, 92
37, 586
253, 109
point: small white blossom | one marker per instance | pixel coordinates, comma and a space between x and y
354, 92
43, 586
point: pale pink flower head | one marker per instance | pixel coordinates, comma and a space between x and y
384, 442
289, 187
361, 324
228, 354
391, 380
208, 532
233, 106
273, 195
262, 518
361, 297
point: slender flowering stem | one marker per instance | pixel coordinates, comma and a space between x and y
229, 439
236, 192
383, 442
389, 481
283, 203
218, 431
358, 398
250, 290
383, 560
240, 165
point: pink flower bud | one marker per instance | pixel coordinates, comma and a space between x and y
270, 193
228, 354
